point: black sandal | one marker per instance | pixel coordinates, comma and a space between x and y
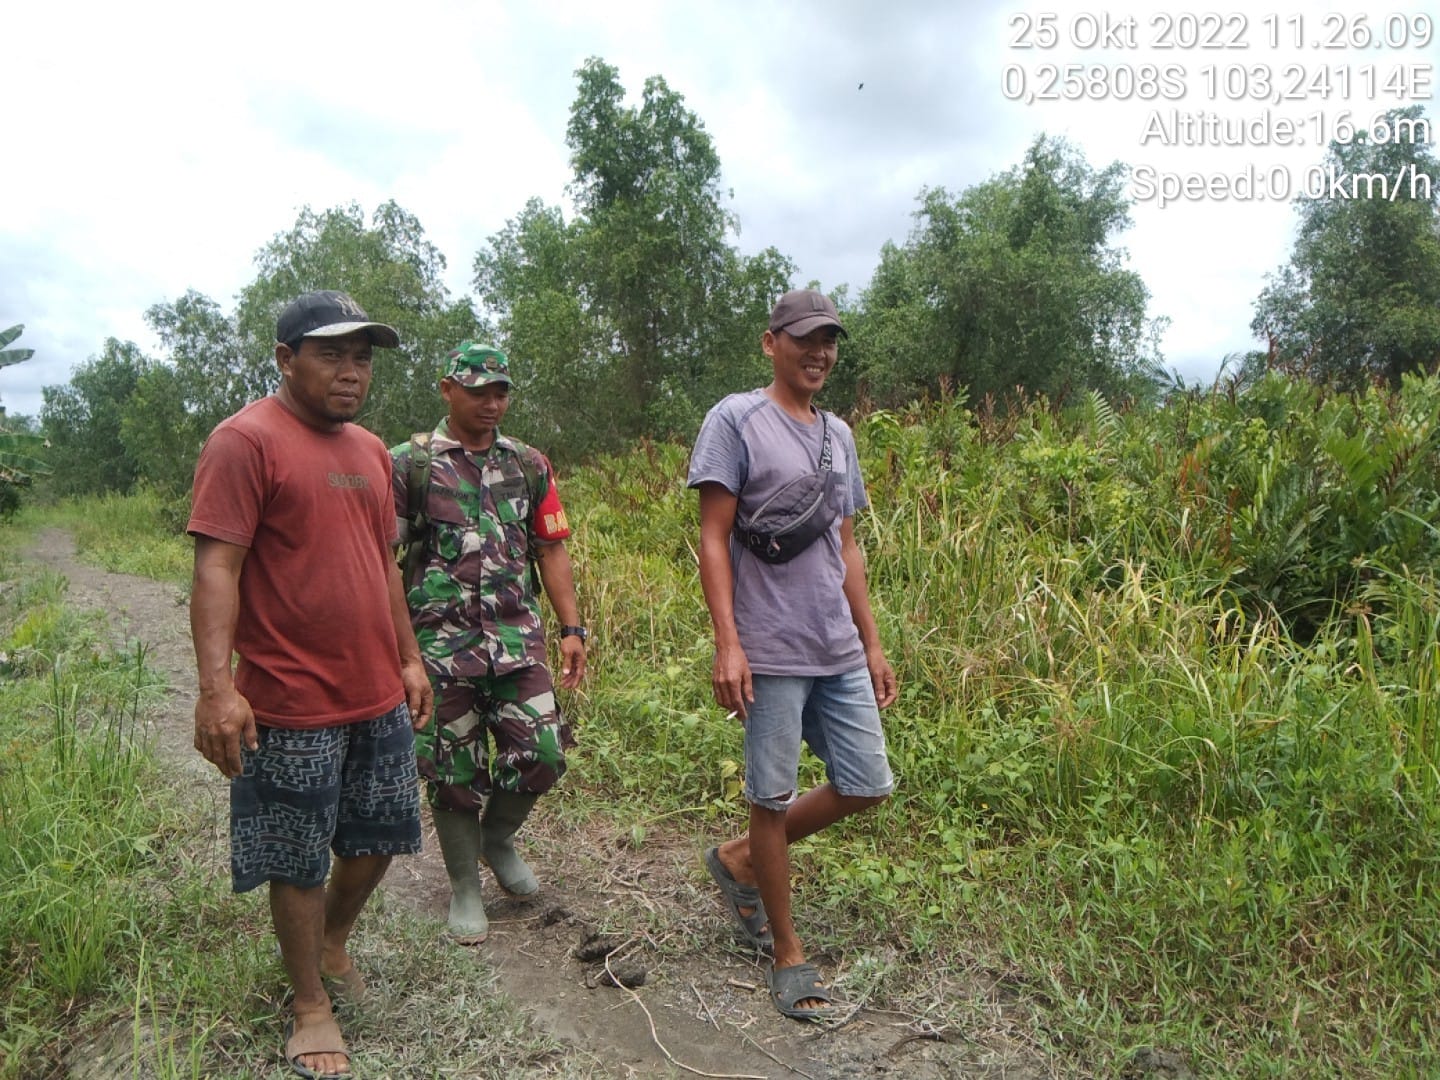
755, 927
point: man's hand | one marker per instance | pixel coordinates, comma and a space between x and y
882, 676
223, 724
730, 679
572, 661
419, 696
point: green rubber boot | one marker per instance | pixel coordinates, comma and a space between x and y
459, 833
505, 812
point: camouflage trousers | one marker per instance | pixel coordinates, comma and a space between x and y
519, 712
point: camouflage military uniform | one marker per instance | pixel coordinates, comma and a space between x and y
477, 619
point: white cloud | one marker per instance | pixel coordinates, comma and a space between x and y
157, 145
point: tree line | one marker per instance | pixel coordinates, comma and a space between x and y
629, 313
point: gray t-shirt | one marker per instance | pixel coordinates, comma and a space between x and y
793, 618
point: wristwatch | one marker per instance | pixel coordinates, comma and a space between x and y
575, 631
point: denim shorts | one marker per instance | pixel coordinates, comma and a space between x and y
351, 789
837, 717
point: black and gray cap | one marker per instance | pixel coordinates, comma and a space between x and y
328, 313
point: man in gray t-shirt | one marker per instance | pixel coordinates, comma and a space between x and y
797, 652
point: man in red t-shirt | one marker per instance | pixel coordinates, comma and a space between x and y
293, 529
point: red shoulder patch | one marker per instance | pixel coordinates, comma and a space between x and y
549, 522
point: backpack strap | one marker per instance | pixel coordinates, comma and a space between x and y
417, 487
532, 482
536, 494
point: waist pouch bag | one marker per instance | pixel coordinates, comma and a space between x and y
794, 517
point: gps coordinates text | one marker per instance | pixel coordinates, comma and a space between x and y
1231, 79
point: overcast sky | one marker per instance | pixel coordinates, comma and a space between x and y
153, 147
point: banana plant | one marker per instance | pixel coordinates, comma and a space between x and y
12, 356
17, 461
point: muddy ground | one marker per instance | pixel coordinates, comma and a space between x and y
703, 1009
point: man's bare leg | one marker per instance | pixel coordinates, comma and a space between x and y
768, 851
312, 926
817, 809
761, 857
351, 883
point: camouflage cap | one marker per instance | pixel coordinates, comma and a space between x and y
473, 364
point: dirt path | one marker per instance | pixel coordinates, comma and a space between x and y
703, 998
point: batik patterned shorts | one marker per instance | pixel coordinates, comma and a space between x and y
351, 789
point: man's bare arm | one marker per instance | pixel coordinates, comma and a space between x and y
857, 593
419, 696
223, 719
730, 677
557, 575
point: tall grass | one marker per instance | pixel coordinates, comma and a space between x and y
1167, 742
74, 817
141, 534
1167, 735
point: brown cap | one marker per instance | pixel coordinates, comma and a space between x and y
800, 311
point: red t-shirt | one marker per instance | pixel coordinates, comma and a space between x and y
315, 634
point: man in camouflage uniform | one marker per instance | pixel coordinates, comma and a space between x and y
491, 508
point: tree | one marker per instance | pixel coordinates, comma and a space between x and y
159, 435
1013, 284
82, 422
178, 401
395, 274
1359, 299
215, 376
125, 416
530, 274
216, 363
10, 356
632, 317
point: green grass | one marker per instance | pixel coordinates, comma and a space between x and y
141, 534
1167, 742
1170, 814
120, 935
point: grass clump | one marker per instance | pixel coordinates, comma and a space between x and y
141, 534
121, 942
1166, 743
75, 822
